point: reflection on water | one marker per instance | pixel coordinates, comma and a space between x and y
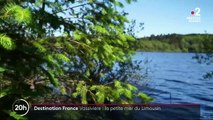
177, 78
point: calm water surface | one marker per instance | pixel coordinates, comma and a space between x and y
177, 78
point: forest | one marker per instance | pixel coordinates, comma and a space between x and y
197, 43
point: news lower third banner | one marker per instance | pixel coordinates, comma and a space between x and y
137, 111
116, 111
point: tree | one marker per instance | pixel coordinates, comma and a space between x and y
206, 58
90, 40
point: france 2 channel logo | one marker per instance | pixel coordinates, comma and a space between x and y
195, 16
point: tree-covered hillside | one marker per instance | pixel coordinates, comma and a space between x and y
202, 43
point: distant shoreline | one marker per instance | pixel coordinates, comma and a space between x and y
191, 43
173, 52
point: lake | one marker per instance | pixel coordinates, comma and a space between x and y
177, 78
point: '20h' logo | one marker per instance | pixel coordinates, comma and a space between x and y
21, 107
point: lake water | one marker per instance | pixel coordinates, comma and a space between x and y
177, 78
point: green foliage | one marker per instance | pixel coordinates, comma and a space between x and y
16, 116
5, 92
17, 13
79, 61
120, 92
62, 57
6, 42
145, 98
2, 69
81, 90
40, 48
52, 77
